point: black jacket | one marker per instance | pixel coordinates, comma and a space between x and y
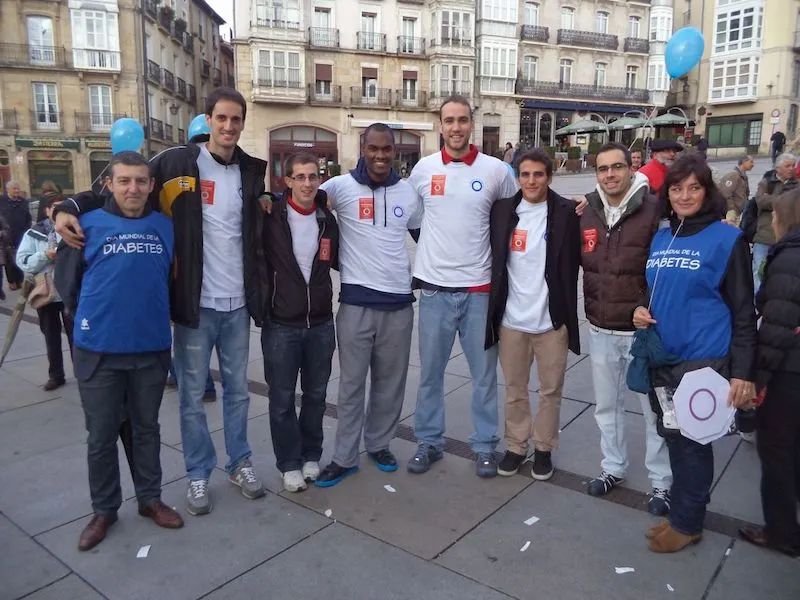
778, 303
561, 265
177, 194
17, 215
292, 301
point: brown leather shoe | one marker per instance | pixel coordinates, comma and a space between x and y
655, 531
670, 540
162, 514
95, 532
758, 536
53, 384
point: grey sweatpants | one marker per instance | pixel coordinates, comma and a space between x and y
379, 342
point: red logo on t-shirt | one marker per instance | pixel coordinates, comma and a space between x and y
589, 240
325, 249
207, 191
437, 185
365, 209
519, 240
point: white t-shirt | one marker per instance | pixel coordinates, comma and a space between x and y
453, 249
373, 230
223, 258
528, 306
305, 236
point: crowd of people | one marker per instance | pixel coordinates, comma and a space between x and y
191, 240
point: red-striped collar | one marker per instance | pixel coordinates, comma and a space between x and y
297, 207
468, 158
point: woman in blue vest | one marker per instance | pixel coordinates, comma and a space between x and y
701, 304
778, 442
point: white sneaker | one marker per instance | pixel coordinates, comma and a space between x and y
293, 481
310, 470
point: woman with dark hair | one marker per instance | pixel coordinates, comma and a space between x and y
36, 254
778, 442
700, 295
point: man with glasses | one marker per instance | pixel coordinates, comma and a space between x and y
616, 229
301, 244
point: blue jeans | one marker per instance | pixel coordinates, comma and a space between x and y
210, 389
441, 316
760, 252
287, 352
692, 476
230, 333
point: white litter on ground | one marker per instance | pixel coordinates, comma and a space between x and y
531, 521
623, 570
728, 552
143, 551
526, 546
329, 513
389, 488
670, 588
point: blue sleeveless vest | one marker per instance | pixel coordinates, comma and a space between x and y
124, 300
693, 320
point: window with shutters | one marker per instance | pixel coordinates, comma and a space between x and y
369, 85
323, 76
409, 86
278, 68
95, 40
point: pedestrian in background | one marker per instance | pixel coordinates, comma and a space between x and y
15, 210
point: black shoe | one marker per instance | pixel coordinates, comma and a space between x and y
510, 463
333, 474
54, 384
600, 486
384, 460
658, 504
542, 465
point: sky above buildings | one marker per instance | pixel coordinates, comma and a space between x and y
225, 10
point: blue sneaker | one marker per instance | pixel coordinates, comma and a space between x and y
333, 474
426, 455
384, 460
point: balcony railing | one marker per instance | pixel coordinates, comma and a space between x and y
323, 37
95, 122
266, 81
278, 23
24, 55
464, 42
153, 72
168, 132
231, 81
8, 119
151, 8
580, 90
534, 33
188, 42
418, 99
169, 80
181, 136
99, 60
333, 97
587, 39
191, 95
370, 41
205, 69
410, 45
157, 129
181, 88
360, 96
639, 45
46, 120
217, 77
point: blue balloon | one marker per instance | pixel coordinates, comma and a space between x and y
684, 50
126, 135
198, 126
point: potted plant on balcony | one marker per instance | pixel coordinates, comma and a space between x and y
591, 158
166, 15
180, 27
573, 159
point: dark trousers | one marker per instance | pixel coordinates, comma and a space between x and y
692, 476
287, 352
778, 445
135, 382
51, 317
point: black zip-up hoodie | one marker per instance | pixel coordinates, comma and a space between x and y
292, 301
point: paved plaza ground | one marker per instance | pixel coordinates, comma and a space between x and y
442, 535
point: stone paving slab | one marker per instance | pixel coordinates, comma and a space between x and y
71, 587
579, 450
737, 491
18, 391
25, 566
339, 563
47, 490
751, 573
187, 563
427, 513
574, 550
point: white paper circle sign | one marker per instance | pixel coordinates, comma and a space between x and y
701, 405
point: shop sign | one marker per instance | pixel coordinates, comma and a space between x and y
27, 142
98, 144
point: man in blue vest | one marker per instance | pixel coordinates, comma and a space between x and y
117, 287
